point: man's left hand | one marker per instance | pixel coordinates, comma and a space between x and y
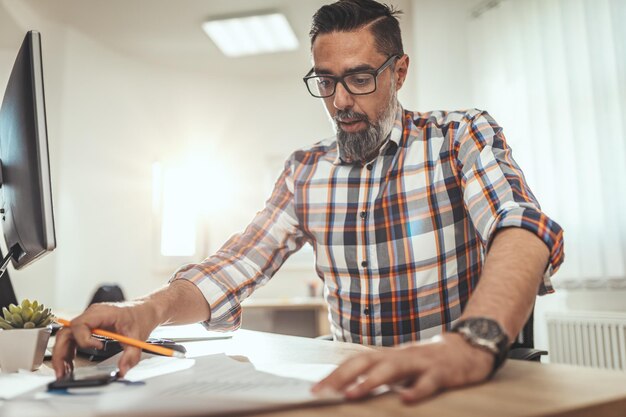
416, 370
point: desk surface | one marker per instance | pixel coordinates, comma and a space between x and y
519, 389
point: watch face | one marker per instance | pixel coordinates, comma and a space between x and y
487, 334
486, 329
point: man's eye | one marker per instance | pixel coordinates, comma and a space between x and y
360, 81
324, 82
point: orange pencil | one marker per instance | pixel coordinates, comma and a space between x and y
130, 341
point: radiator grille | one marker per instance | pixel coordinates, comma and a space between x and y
588, 339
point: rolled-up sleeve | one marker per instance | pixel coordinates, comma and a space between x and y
249, 259
495, 192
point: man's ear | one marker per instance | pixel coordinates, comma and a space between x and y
401, 70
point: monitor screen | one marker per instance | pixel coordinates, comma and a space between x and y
25, 191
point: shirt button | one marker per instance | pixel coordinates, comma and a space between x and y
366, 311
369, 167
363, 215
364, 264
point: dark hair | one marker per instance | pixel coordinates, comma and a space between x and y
349, 15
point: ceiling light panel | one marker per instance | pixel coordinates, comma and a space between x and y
252, 35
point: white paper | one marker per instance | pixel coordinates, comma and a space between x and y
222, 375
43, 370
151, 365
188, 333
313, 372
215, 385
13, 385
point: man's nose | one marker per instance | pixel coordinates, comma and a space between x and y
343, 100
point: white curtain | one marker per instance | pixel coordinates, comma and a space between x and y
553, 74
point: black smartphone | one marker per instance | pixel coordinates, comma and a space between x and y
92, 376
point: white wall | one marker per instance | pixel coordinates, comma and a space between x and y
110, 118
137, 114
111, 115
441, 51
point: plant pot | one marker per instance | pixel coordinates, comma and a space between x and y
23, 348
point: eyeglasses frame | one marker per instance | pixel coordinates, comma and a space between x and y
341, 79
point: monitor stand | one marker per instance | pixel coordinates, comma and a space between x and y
7, 295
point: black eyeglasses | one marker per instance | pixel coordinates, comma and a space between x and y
357, 83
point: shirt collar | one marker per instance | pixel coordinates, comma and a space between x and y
392, 140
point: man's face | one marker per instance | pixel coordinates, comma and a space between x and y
360, 120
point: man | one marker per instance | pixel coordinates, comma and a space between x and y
426, 235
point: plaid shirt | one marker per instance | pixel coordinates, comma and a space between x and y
399, 242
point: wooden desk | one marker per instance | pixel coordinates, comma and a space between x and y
519, 389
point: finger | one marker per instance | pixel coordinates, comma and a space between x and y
425, 386
69, 367
83, 336
347, 373
63, 352
129, 359
385, 372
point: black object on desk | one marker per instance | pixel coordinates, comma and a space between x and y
85, 377
111, 347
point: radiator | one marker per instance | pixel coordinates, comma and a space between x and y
588, 339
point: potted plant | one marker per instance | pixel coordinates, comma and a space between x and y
24, 334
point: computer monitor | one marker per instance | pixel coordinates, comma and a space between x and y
25, 190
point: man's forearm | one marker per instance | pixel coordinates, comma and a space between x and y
181, 302
508, 285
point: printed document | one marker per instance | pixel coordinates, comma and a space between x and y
208, 385
215, 385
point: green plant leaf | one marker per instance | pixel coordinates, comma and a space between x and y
25, 303
5, 324
36, 318
35, 305
17, 320
14, 309
6, 313
27, 313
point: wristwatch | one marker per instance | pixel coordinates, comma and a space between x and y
486, 334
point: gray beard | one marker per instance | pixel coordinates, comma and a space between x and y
361, 146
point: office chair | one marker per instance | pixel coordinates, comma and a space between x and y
523, 348
108, 293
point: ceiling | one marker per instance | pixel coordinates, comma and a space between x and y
168, 32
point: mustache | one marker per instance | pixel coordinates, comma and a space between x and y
343, 115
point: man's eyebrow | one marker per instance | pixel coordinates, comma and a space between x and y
358, 68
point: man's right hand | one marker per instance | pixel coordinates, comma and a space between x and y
180, 302
134, 319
